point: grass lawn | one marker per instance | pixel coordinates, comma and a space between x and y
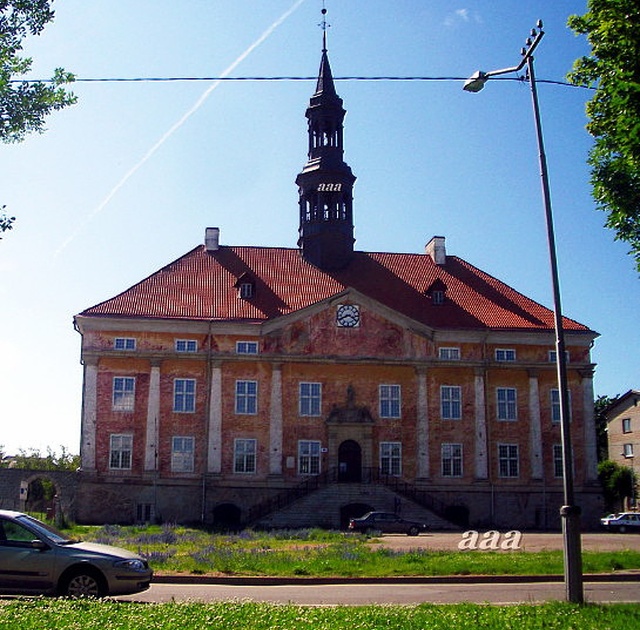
37, 614
316, 552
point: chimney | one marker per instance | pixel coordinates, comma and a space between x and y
212, 239
437, 250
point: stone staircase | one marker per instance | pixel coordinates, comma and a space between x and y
330, 506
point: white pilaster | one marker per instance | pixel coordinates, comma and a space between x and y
535, 429
481, 455
422, 430
89, 417
590, 446
153, 417
275, 422
214, 447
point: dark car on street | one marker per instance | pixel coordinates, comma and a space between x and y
36, 559
387, 523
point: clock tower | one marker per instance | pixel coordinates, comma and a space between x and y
325, 184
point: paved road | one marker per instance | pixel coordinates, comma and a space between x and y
362, 594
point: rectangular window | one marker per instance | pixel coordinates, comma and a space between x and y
308, 457
449, 354
451, 460
310, 399
558, 468
506, 398
124, 393
246, 347
508, 460
505, 354
555, 405
184, 395
391, 458
182, 454
120, 449
389, 399
627, 450
124, 343
451, 402
553, 355
626, 425
247, 397
245, 290
186, 345
244, 456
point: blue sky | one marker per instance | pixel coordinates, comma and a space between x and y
126, 181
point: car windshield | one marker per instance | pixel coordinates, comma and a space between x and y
47, 531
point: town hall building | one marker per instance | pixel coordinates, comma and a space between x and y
248, 385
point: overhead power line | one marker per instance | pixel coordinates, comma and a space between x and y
284, 79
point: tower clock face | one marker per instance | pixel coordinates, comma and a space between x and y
348, 315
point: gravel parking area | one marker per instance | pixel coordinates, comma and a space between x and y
598, 541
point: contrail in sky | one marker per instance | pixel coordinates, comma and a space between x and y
196, 106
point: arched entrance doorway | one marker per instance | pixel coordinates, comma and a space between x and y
350, 462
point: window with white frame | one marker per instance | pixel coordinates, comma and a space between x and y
244, 455
449, 354
555, 404
246, 347
310, 399
507, 404
247, 397
186, 345
508, 460
308, 457
437, 297
184, 395
389, 401
553, 355
451, 402
505, 354
626, 425
245, 290
124, 393
182, 454
124, 343
627, 450
451, 460
120, 450
558, 466
391, 458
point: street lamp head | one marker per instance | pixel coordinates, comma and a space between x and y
475, 82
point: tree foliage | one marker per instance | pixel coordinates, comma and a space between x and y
618, 482
24, 105
612, 28
33, 459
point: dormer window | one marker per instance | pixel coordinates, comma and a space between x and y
246, 287
436, 292
245, 290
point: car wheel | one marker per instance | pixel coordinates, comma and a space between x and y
84, 583
413, 531
622, 529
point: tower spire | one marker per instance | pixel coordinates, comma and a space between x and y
325, 184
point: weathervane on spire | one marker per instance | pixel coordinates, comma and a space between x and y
324, 25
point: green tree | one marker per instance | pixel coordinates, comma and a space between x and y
618, 482
612, 28
601, 405
33, 459
24, 105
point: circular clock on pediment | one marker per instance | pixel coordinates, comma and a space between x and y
348, 315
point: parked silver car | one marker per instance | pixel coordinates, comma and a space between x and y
624, 522
37, 559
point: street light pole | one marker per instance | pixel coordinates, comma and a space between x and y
569, 512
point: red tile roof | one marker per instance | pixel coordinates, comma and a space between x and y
202, 285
